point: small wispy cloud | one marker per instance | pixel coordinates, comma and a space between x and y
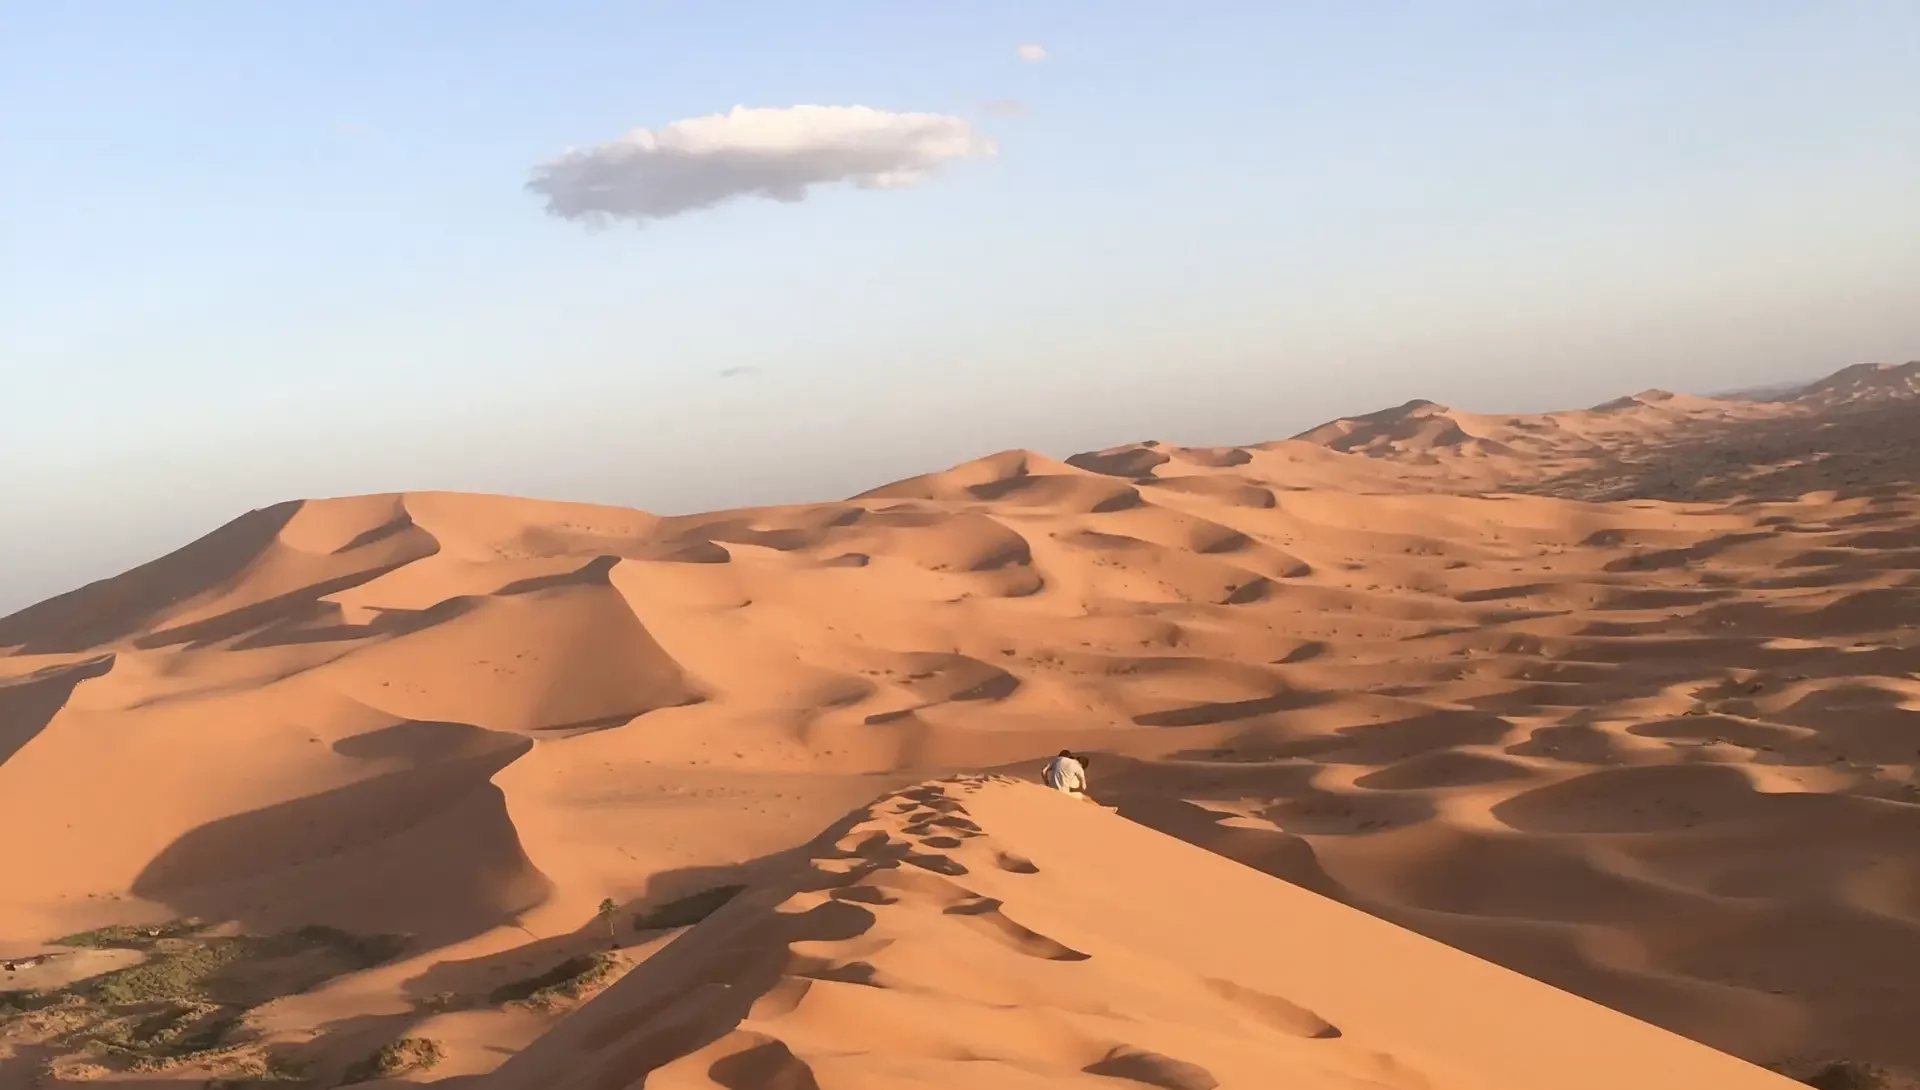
738, 372
1005, 107
775, 153
1031, 52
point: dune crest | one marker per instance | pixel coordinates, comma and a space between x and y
1622, 699
900, 952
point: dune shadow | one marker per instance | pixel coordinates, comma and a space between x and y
1669, 559
1306, 652
1280, 854
418, 741
304, 602
301, 629
1002, 488
1144, 1067
427, 849
1442, 728
614, 721
762, 1067
1227, 711
699, 987
593, 573
124, 604
1500, 594
1441, 769
27, 707
1634, 799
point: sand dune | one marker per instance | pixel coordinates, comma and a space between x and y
983, 931
1622, 699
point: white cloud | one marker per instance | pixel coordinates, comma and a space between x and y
1031, 52
774, 153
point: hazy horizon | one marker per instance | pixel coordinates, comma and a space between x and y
254, 255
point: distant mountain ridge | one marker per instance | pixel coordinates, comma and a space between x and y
1865, 379
1419, 428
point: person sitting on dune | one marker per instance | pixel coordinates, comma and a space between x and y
1066, 773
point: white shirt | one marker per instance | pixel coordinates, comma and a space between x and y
1065, 774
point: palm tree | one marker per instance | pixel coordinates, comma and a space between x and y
607, 909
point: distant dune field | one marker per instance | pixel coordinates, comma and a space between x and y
1625, 700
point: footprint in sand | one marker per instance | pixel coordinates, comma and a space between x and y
985, 916
945, 830
914, 885
1018, 864
808, 967
1282, 1014
1152, 1069
880, 847
939, 805
864, 894
939, 864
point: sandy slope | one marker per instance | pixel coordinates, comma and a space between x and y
987, 932
1625, 699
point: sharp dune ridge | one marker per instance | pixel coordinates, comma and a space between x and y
1625, 700
984, 931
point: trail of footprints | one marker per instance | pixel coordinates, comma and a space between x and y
898, 857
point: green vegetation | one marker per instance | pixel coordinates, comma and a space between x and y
187, 999
230, 969
567, 980
151, 1040
686, 911
396, 1058
12, 1003
124, 936
176, 970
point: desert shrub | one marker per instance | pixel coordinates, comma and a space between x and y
185, 1001
16, 1002
176, 971
566, 980
396, 1058
185, 969
128, 936
155, 1040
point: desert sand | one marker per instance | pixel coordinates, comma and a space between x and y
1386, 719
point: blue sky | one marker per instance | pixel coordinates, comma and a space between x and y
251, 252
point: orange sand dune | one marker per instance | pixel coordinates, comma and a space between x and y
987, 932
1623, 699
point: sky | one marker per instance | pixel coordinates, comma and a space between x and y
692, 256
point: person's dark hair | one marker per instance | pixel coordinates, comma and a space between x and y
1066, 753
